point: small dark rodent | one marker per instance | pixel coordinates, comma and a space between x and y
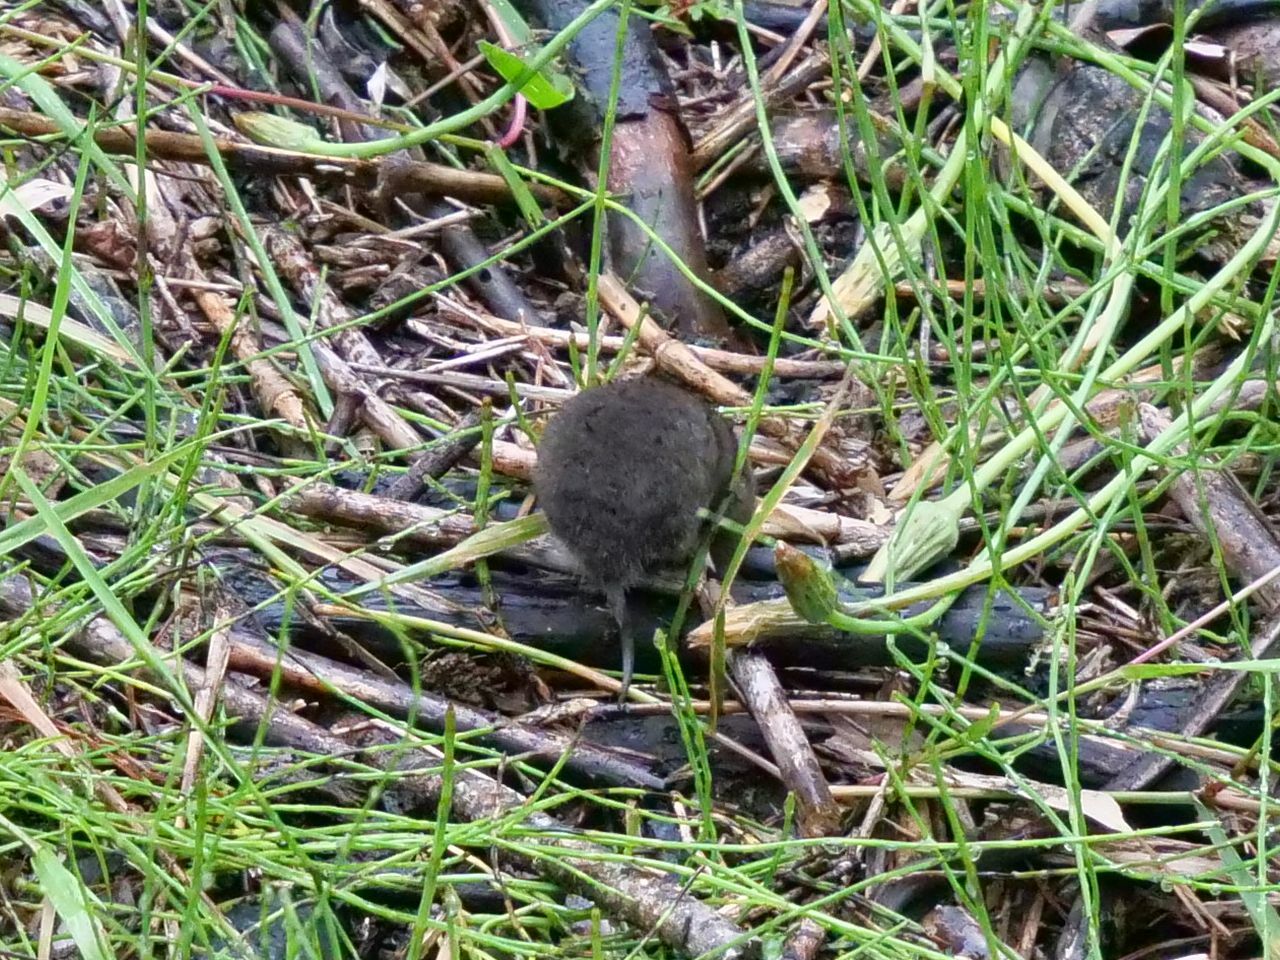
623, 470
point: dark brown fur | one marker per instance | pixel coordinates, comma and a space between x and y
623, 470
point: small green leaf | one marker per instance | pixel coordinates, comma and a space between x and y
977, 731
481, 544
544, 90
511, 19
813, 594
73, 903
929, 532
809, 588
77, 907
1265, 919
272, 130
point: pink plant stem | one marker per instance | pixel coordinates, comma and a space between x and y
516, 127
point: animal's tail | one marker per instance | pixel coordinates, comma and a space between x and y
616, 596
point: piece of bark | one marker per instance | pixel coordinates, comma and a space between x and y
1215, 503
493, 283
378, 415
805, 941
275, 393
759, 266
810, 146
736, 121
439, 460
818, 813
1083, 120
649, 165
1216, 694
